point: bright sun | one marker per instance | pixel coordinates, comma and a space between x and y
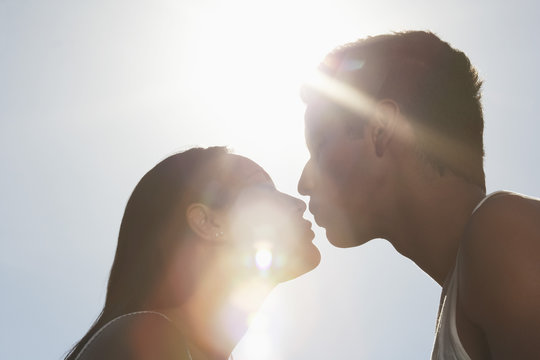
245, 71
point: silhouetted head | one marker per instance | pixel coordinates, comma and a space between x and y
197, 209
434, 89
208, 198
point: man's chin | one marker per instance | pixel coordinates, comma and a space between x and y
342, 239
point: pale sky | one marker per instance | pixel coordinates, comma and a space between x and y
94, 93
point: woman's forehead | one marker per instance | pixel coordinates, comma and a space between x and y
246, 170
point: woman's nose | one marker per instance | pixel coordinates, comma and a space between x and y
300, 205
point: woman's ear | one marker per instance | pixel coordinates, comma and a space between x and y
203, 221
384, 125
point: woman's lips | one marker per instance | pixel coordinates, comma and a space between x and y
307, 225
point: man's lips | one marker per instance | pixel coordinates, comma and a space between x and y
313, 209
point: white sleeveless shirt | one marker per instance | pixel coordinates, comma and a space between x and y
447, 345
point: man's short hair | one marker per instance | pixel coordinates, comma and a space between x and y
435, 86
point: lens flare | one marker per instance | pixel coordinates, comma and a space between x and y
340, 92
263, 259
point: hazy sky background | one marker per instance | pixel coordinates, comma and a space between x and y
94, 93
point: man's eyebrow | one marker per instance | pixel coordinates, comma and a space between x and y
312, 113
312, 135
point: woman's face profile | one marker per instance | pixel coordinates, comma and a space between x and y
267, 227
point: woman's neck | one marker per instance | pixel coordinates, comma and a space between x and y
215, 317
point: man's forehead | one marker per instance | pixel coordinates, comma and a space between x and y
323, 113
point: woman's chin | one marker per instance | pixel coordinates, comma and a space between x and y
303, 265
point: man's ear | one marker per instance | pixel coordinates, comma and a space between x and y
385, 119
202, 221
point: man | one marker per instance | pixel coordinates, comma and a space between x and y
394, 128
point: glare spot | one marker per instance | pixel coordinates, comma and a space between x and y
250, 295
263, 259
257, 343
352, 64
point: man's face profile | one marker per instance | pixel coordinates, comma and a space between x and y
337, 175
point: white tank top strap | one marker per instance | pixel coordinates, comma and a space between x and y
116, 320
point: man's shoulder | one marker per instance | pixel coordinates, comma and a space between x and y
499, 258
499, 272
501, 217
504, 230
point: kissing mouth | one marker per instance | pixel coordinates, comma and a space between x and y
308, 229
312, 208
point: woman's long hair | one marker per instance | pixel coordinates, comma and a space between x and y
153, 224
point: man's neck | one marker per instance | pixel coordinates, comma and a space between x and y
431, 221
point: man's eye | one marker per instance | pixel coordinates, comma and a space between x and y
320, 147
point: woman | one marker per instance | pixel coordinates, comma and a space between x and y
203, 232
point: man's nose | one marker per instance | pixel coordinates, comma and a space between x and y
305, 184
